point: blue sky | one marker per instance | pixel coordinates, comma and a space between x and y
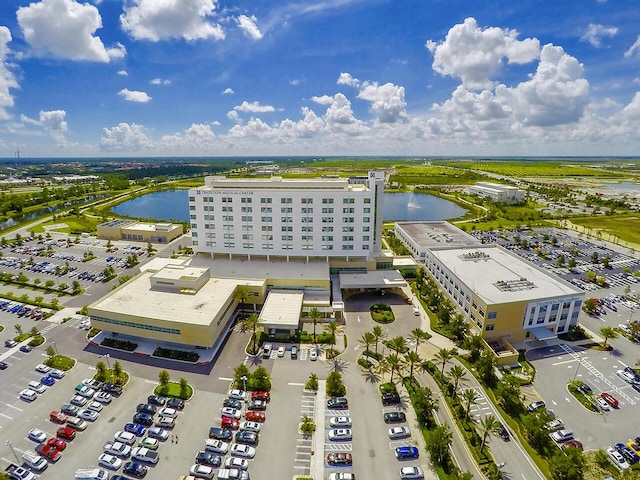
319, 77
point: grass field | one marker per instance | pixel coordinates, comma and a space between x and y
434, 175
75, 225
538, 168
626, 227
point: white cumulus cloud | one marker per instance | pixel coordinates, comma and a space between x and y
66, 29
387, 101
159, 81
125, 137
198, 136
596, 32
249, 27
228, 91
7, 78
347, 79
134, 96
123, 73
157, 20
254, 107
475, 55
323, 99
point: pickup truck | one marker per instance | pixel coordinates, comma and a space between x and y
19, 473
118, 449
232, 474
145, 455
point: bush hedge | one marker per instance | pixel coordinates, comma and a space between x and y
364, 363
119, 344
381, 313
182, 355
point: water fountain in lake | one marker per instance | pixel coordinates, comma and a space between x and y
412, 203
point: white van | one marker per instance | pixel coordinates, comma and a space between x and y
28, 395
416, 312
35, 461
91, 474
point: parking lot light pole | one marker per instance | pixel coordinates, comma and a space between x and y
108, 362
55, 347
244, 383
8, 442
577, 368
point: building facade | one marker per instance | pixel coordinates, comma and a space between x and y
135, 231
498, 192
320, 217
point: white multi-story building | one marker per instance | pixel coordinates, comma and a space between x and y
499, 192
319, 217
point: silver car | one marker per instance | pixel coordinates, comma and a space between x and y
396, 433
340, 434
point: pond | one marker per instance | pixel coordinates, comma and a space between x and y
173, 205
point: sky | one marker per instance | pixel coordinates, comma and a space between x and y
319, 78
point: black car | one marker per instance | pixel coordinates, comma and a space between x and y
3, 365
146, 408
135, 469
69, 409
337, 403
220, 433
143, 419
504, 433
26, 348
258, 405
175, 403
585, 389
112, 388
247, 437
395, 417
208, 458
232, 403
156, 400
390, 398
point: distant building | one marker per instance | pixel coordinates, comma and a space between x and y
135, 231
498, 192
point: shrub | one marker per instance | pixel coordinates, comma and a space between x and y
182, 355
388, 388
364, 363
119, 344
335, 385
381, 313
37, 341
372, 354
60, 362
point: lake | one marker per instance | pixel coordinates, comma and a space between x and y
173, 205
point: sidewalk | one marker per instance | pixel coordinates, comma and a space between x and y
317, 445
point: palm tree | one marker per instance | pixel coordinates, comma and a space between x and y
412, 358
378, 334
395, 364
252, 323
469, 398
241, 295
333, 328
418, 335
397, 344
367, 340
607, 333
315, 315
456, 377
488, 424
443, 357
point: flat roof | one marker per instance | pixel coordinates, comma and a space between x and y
282, 309
374, 279
259, 268
432, 234
139, 299
498, 276
180, 272
279, 183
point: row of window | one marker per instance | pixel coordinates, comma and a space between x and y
284, 238
326, 210
142, 326
284, 246
283, 200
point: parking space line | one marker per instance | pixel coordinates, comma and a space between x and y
14, 407
6, 416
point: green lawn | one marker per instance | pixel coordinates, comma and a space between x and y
60, 362
625, 227
172, 389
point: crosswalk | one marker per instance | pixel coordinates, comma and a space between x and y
48, 328
338, 447
481, 406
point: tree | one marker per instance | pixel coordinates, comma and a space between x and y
395, 364
488, 424
315, 315
397, 344
590, 306
34, 332
241, 295
335, 385
469, 398
424, 405
184, 387
164, 378
101, 371
567, 465
333, 328
443, 356
307, 427
240, 371
366, 340
475, 345
509, 396
486, 365
412, 358
456, 377
260, 379
418, 336
117, 370
51, 351
18, 328
437, 443
76, 287
378, 335
312, 383
251, 323
608, 333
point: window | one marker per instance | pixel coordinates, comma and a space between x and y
247, 228
327, 229
347, 229
227, 209
266, 200
347, 247
230, 244
267, 246
287, 238
266, 209
366, 229
247, 245
267, 237
306, 219
366, 219
492, 315
348, 200
286, 219
327, 247
210, 217
246, 209
365, 238
347, 238
227, 199
246, 200
192, 207
286, 210
365, 247
267, 228
227, 218
327, 219
194, 234
366, 210
266, 219
307, 238
306, 200
307, 210
327, 210
347, 219
286, 200
348, 210
327, 238
229, 236
286, 228
195, 243
192, 199
367, 200
193, 217
307, 229
490, 326
247, 218
327, 200
247, 236
481, 312
194, 225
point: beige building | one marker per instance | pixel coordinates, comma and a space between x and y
139, 232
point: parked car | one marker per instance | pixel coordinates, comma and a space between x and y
584, 389
84, 391
146, 408
48, 381
232, 403
532, 407
390, 398
89, 415
337, 403
504, 433
231, 412
37, 387
247, 437
76, 423
57, 374
143, 419
554, 425
49, 452
135, 469
221, 433
236, 462
66, 433
156, 400
37, 435
260, 395
603, 405
216, 446
4, 365
109, 461
229, 423
103, 397
629, 455
626, 376
395, 417
617, 459
244, 451
339, 458
610, 399
340, 434
124, 437
313, 354
26, 348
411, 473
396, 433
28, 395
78, 401
165, 422
135, 428
255, 416
95, 406
340, 421
257, 405
42, 368
57, 417
112, 388
407, 453
69, 409
562, 435
158, 433
175, 403
249, 426
237, 394
201, 471
208, 458
118, 449
342, 476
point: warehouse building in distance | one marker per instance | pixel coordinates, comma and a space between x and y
135, 231
498, 192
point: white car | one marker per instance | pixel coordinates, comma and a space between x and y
166, 422
231, 412
237, 394
244, 451
342, 476
396, 433
124, 437
201, 471
313, 354
168, 412
102, 397
109, 461
603, 405
235, 462
78, 401
28, 395
36, 386
85, 391
617, 459
118, 449
281, 351
626, 376
57, 374
340, 434
42, 368
216, 446
37, 435
159, 433
342, 421
87, 414
95, 406
411, 473
250, 426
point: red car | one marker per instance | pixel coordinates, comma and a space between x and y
66, 433
57, 417
265, 396
230, 423
572, 444
47, 451
255, 416
57, 443
339, 458
610, 399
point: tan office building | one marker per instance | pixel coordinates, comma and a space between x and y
139, 232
